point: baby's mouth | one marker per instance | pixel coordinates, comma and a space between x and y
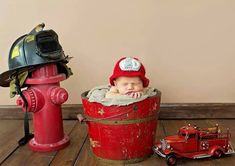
129, 92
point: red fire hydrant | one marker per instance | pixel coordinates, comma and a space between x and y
44, 97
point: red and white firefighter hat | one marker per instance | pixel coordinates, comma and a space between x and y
129, 67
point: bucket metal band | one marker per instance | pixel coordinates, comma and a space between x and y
122, 122
130, 161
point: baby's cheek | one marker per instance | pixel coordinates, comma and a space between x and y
139, 88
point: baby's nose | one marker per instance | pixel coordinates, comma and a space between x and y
130, 86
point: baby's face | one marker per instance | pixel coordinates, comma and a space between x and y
127, 85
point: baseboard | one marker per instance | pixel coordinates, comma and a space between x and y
167, 111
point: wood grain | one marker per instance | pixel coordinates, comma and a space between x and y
24, 156
10, 132
79, 152
68, 156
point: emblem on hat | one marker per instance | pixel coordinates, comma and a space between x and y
129, 64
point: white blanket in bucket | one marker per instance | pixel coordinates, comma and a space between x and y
97, 94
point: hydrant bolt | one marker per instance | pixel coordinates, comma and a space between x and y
20, 102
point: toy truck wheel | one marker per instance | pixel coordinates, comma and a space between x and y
217, 154
171, 159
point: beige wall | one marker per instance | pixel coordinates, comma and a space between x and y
187, 46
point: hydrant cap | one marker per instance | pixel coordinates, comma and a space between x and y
31, 50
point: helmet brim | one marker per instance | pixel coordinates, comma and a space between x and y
143, 78
6, 77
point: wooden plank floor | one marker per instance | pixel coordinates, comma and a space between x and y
78, 152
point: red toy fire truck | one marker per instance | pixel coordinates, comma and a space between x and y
194, 142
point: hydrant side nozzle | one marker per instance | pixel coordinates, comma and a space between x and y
34, 99
58, 95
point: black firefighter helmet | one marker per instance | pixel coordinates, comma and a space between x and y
29, 51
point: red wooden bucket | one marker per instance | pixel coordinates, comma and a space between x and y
122, 134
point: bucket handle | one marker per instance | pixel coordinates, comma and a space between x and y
81, 118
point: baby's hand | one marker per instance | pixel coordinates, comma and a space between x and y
135, 94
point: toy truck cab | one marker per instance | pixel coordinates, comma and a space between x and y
193, 142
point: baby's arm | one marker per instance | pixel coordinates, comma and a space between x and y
113, 92
137, 94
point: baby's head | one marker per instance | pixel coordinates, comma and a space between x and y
129, 76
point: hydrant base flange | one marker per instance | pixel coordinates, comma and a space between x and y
34, 146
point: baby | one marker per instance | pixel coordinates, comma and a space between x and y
128, 78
